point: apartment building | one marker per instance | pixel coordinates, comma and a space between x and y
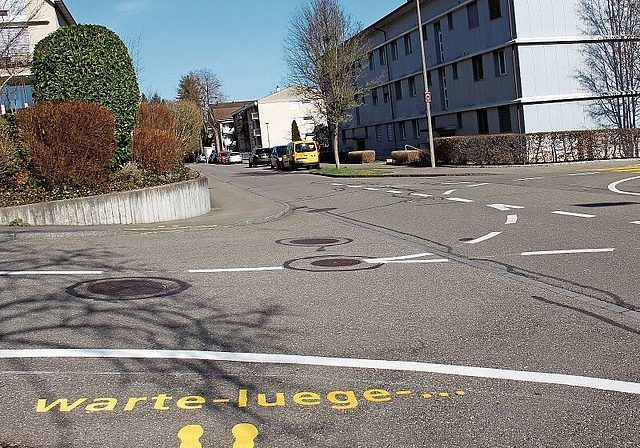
493, 66
23, 23
266, 122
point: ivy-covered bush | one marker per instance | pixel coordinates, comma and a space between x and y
71, 143
89, 62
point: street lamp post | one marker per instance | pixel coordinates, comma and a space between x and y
427, 94
268, 139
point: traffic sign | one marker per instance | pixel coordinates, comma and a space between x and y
427, 97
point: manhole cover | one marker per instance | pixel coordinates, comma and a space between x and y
132, 288
314, 242
331, 263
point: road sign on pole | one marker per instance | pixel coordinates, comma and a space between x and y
427, 97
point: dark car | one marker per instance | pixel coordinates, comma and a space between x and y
259, 156
212, 157
276, 156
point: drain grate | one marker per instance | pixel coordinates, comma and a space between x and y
330, 263
129, 288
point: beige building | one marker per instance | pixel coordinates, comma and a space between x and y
23, 23
266, 122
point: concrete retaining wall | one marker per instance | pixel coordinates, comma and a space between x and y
157, 204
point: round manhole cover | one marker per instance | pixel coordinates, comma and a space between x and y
314, 242
331, 263
132, 288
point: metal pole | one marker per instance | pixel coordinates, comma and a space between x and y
427, 95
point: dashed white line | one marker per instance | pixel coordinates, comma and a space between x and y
483, 238
511, 219
320, 361
7, 273
635, 222
394, 191
505, 207
372, 189
565, 252
448, 192
576, 215
467, 201
527, 178
582, 174
421, 195
478, 185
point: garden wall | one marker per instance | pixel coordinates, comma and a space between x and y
157, 204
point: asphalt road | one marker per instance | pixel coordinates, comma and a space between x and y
482, 307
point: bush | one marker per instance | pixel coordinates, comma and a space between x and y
155, 116
89, 62
71, 142
188, 119
368, 156
157, 151
406, 157
9, 159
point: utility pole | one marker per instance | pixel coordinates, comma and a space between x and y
427, 94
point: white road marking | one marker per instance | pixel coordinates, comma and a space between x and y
355, 186
6, 273
337, 184
527, 178
571, 251
483, 238
582, 174
372, 189
614, 186
478, 185
432, 260
352, 363
468, 201
266, 268
577, 215
511, 219
448, 192
394, 191
635, 222
421, 195
505, 207
403, 257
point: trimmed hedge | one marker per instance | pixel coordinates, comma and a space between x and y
367, 156
157, 151
406, 157
89, 62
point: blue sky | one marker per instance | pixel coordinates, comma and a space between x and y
240, 41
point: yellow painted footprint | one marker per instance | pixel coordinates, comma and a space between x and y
244, 434
190, 436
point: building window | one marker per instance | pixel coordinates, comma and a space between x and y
478, 69
483, 121
398, 86
382, 56
372, 65
374, 96
402, 129
379, 133
439, 42
4, 13
416, 128
472, 15
358, 116
390, 132
450, 20
454, 69
385, 94
429, 83
443, 85
394, 50
504, 117
500, 63
424, 32
459, 119
408, 48
494, 9
412, 86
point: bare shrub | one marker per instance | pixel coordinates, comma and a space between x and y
155, 116
71, 142
156, 150
407, 157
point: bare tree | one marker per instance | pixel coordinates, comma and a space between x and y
612, 60
324, 50
15, 45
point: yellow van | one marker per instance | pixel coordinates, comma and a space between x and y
301, 153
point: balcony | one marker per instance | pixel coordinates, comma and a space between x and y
256, 133
255, 116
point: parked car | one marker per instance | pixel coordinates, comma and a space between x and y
212, 157
222, 157
234, 157
302, 153
201, 158
276, 156
259, 156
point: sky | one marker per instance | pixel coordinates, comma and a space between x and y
240, 41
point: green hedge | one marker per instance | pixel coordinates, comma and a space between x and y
89, 62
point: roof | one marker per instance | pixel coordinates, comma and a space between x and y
223, 111
64, 12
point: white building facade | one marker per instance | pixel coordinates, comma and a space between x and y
494, 66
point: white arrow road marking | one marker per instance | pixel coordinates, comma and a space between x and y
353, 363
511, 219
614, 186
570, 251
505, 207
448, 192
483, 238
577, 215
6, 273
